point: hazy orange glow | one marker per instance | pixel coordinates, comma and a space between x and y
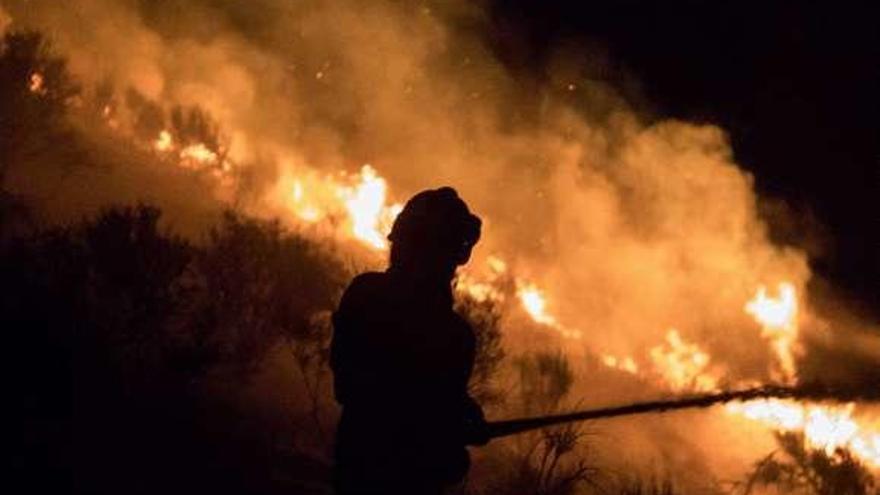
651, 224
676, 364
361, 200
497, 265
478, 290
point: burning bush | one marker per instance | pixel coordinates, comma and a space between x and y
800, 469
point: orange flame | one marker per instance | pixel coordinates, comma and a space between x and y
359, 200
534, 302
370, 218
305, 211
626, 364
824, 427
778, 320
162, 143
682, 365
36, 83
198, 154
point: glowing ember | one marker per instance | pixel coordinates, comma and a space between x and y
626, 364
304, 210
198, 153
162, 143
497, 265
682, 365
778, 320
35, 83
370, 219
108, 114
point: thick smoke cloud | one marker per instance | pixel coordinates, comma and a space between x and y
632, 227
641, 227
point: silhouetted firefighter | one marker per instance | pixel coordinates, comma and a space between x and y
402, 358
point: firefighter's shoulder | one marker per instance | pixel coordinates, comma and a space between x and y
364, 286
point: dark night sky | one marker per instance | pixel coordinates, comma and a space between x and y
796, 85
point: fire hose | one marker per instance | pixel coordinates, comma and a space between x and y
513, 426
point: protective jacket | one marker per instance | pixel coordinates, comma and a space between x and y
401, 359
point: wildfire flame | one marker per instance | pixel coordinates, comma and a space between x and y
199, 154
359, 200
682, 365
190, 156
162, 143
305, 211
370, 219
778, 320
362, 199
824, 427
534, 302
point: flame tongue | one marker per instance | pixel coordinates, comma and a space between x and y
370, 218
35, 83
534, 302
778, 320
683, 365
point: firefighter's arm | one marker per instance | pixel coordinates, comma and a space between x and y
476, 430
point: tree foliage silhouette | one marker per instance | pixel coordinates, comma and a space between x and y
35, 89
800, 469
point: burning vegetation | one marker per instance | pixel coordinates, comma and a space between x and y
625, 259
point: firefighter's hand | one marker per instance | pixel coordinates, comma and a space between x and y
476, 430
476, 433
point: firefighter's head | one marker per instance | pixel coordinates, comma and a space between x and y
434, 233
